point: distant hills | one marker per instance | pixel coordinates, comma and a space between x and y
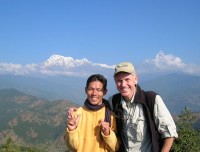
178, 90
32, 121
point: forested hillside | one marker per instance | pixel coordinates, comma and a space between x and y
32, 121
35, 122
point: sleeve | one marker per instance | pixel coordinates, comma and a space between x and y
111, 140
72, 138
163, 119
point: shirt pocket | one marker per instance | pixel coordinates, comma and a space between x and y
137, 129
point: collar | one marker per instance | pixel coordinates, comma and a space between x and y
127, 104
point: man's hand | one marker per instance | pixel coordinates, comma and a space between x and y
104, 127
72, 121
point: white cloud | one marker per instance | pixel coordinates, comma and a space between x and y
17, 69
105, 65
170, 62
10, 68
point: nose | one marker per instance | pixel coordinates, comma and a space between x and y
94, 91
123, 83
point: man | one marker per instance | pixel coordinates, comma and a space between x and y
140, 129
91, 128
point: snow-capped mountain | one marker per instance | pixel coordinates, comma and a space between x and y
67, 62
57, 65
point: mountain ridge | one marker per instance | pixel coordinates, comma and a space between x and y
177, 90
29, 120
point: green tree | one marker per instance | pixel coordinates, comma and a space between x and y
10, 146
189, 138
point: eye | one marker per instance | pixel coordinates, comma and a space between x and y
93, 89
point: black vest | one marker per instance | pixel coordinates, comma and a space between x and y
147, 99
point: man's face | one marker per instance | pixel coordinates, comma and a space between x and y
95, 92
125, 84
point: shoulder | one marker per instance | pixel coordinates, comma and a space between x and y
151, 94
80, 110
114, 99
159, 101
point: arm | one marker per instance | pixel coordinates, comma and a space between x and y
167, 144
71, 136
71, 139
109, 135
165, 124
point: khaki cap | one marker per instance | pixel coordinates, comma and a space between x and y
126, 67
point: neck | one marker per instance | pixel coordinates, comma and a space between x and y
128, 99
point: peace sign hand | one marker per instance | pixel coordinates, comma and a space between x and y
72, 121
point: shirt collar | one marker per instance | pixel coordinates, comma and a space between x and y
124, 103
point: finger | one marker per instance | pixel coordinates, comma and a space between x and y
74, 109
77, 119
106, 124
100, 122
69, 116
104, 129
71, 123
69, 112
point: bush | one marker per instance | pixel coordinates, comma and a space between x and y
189, 138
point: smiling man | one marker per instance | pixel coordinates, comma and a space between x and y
92, 127
144, 123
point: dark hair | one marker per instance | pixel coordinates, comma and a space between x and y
97, 77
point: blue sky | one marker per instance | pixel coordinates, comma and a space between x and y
102, 31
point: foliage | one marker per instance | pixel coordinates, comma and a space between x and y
11, 147
189, 138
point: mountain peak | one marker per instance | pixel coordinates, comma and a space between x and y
67, 62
